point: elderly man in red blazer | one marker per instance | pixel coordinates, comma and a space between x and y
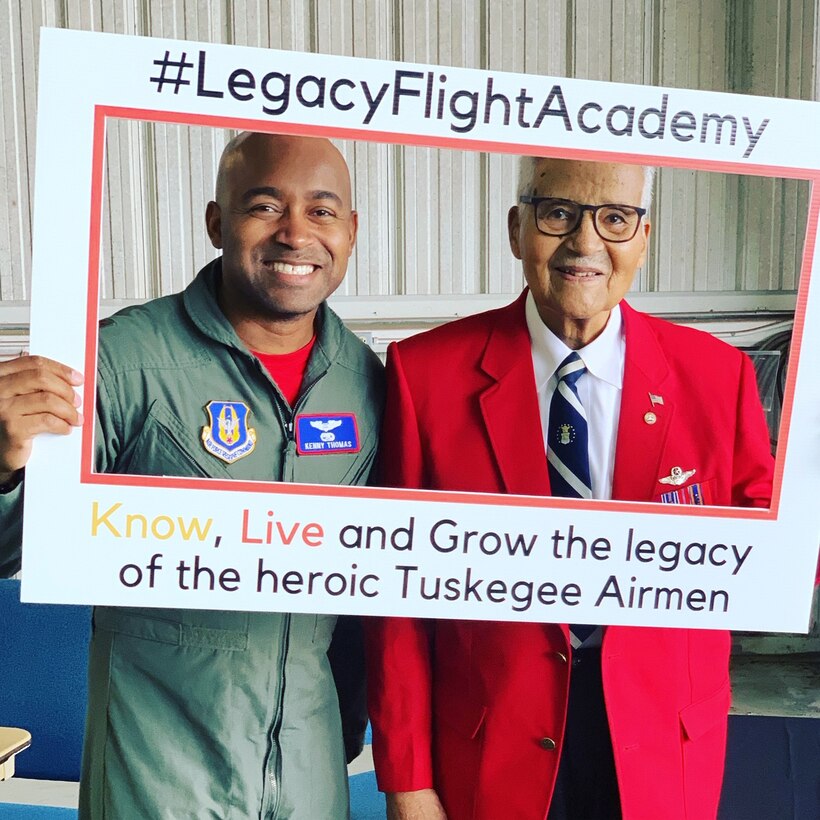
527, 721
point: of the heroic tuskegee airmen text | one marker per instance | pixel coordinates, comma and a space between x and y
442, 562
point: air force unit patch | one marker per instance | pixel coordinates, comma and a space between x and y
320, 435
228, 436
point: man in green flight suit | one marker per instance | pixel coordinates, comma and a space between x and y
205, 714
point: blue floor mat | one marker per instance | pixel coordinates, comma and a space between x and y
366, 801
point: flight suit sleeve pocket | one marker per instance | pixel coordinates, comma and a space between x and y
699, 717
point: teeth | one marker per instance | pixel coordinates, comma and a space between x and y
292, 270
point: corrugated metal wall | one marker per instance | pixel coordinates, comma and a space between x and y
433, 221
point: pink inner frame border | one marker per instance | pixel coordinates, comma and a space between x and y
88, 476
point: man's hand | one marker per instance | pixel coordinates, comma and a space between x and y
36, 396
420, 805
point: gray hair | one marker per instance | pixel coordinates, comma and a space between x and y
526, 173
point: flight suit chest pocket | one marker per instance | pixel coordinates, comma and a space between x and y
313, 631
166, 446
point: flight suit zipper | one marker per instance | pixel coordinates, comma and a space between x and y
290, 455
273, 766
287, 416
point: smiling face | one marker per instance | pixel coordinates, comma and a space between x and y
576, 280
284, 222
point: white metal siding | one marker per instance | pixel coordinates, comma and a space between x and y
433, 222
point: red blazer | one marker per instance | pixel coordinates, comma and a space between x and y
464, 707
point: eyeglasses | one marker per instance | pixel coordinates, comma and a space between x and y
560, 217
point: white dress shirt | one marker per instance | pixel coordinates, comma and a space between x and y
599, 388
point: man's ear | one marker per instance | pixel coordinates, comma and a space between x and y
213, 223
513, 227
647, 227
354, 230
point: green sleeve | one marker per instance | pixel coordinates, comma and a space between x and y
346, 655
11, 503
11, 531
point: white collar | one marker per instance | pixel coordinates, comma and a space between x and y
603, 356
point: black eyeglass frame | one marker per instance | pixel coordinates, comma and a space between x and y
593, 209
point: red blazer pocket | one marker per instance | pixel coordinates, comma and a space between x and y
461, 716
703, 715
693, 492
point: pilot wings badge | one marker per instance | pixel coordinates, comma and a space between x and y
677, 477
326, 427
228, 436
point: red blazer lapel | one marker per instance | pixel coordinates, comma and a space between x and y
510, 406
641, 441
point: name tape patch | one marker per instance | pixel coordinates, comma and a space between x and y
322, 434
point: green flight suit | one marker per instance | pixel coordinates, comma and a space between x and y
210, 714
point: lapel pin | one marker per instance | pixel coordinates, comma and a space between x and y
677, 476
650, 417
655, 399
565, 434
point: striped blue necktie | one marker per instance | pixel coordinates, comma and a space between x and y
567, 440
568, 449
